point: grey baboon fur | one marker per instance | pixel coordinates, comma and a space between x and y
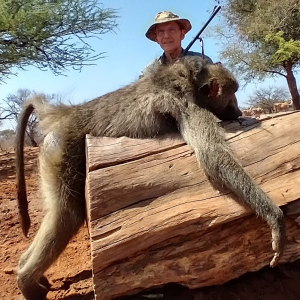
184, 96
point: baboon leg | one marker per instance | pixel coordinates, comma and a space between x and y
65, 213
25, 256
56, 230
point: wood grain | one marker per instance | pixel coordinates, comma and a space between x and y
154, 217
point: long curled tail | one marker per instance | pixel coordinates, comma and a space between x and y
21, 185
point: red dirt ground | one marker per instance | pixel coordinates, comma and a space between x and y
71, 275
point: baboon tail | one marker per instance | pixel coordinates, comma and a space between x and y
21, 185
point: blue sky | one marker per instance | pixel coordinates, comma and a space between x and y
128, 51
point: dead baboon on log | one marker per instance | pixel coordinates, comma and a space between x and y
183, 96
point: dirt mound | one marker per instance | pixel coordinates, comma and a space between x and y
71, 275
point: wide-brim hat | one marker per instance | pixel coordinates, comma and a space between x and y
167, 16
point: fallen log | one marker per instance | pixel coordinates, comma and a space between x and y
154, 218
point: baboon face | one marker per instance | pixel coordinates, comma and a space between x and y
230, 110
215, 88
220, 99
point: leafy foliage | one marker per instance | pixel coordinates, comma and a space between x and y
263, 39
286, 50
50, 33
253, 29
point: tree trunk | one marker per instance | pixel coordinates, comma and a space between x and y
154, 218
291, 81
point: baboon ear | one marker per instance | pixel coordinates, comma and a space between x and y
214, 89
210, 90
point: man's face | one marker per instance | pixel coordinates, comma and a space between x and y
169, 36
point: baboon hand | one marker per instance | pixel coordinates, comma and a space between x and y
278, 243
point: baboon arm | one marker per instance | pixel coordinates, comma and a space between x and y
200, 130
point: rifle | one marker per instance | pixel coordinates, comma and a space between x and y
197, 37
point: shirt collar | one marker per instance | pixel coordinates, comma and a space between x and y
163, 58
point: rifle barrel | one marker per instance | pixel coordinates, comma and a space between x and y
201, 30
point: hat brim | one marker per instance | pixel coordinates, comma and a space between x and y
183, 23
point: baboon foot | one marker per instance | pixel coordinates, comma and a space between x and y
44, 281
34, 291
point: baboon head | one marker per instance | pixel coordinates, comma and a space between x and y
216, 88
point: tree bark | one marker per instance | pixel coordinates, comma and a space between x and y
154, 218
291, 81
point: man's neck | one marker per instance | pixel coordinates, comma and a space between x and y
171, 56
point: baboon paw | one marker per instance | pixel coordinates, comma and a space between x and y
275, 260
278, 243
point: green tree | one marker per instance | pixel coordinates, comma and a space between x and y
263, 39
50, 34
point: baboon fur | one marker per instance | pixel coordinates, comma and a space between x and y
186, 96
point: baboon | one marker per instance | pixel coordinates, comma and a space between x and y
187, 96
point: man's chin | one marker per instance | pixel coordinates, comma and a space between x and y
168, 47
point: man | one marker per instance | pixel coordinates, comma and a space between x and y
168, 31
